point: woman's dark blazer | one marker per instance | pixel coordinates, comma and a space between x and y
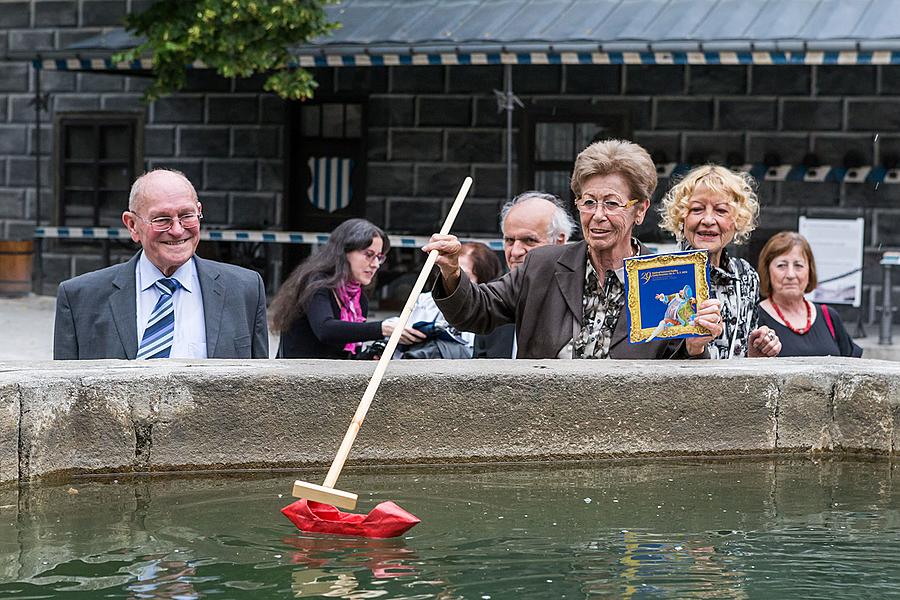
543, 297
319, 332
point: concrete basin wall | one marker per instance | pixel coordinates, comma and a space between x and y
76, 417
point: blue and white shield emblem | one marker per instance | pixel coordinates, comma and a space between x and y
330, 188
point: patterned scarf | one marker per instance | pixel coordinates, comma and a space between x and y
348, 299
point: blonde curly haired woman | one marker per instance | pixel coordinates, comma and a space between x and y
710, 208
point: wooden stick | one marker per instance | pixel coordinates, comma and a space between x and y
338, 464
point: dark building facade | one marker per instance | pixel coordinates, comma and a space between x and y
417, 131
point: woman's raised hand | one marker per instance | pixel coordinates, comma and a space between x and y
448, 248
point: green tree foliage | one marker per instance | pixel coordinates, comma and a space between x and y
237, 38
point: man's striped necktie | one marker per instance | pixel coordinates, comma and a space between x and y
160, 331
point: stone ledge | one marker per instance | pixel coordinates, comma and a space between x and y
68, 417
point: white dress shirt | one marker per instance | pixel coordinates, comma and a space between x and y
190, 326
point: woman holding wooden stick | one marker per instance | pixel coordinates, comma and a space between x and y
568, 301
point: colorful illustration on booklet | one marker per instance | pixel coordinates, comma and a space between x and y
681, 309
663, 292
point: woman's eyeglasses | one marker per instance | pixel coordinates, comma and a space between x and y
372, 255
611, 203
162, 224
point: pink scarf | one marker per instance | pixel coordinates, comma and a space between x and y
348, 298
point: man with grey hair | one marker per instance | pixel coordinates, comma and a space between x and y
530, 220
165, 302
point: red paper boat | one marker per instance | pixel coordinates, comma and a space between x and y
384, 521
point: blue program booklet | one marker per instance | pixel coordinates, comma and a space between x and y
662, 292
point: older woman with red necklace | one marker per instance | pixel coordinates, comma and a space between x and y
787, 271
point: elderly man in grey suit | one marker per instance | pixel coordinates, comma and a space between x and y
166, 301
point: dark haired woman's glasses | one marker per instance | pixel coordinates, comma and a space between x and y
372, 255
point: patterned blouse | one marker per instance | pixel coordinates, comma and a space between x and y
602, 306
736, 286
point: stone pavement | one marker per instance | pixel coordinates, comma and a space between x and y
26, 332
26, 328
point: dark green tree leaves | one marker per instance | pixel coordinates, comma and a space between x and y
237, 38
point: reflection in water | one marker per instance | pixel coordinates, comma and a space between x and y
687, 569
163, 579
661, 529
319, 582
330, 564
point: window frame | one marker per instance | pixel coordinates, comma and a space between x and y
298, 144
94, 119
617, 121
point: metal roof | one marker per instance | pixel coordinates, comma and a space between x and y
424, 26
649, 29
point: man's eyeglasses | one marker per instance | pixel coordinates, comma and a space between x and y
611, 203
162, 224
372, 255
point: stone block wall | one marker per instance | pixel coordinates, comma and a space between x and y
429, 126
120, 416
226, 136
436, 124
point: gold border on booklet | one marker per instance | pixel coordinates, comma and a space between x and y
698, 258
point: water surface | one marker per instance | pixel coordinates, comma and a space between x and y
787, 528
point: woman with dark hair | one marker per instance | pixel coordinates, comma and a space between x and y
787, 272
321, 309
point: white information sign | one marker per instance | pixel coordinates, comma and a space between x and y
837, 246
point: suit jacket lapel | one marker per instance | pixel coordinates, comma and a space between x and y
123, 304
620, 333
213, 300
570, 277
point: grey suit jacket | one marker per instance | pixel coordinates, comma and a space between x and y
96, 316
543, 297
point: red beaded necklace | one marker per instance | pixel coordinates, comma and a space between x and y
785, 321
